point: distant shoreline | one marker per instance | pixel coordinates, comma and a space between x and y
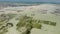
29, 2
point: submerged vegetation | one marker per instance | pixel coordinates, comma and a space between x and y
49, 23
29, 23
4, 18
11, 25
3, 29
25, 21
4, 25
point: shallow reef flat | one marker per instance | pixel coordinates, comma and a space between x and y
38, 19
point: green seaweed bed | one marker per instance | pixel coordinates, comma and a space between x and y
29, 22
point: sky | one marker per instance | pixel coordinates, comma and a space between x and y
58, 1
